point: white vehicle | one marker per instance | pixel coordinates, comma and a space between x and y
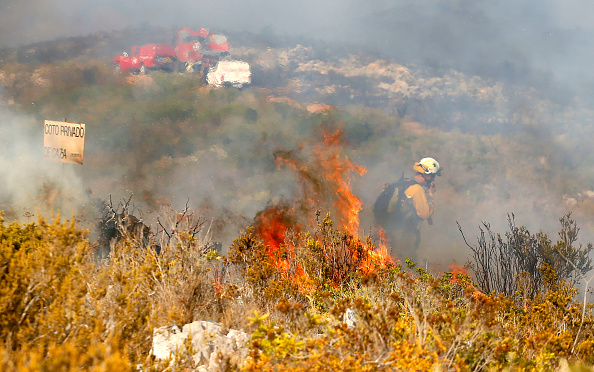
233, 73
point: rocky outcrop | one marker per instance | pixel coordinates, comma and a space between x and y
213, 347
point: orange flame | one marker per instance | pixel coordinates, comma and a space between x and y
325, 176
383, 247
272, 225
337, 168
457, 270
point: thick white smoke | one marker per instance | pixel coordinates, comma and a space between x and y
31, 185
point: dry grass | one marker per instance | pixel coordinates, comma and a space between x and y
61, 310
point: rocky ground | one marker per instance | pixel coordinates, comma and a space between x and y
206, 345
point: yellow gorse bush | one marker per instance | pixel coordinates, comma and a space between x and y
62, 310
406, 318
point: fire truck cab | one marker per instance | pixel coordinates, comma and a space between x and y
217, 45
188, 49
145, 58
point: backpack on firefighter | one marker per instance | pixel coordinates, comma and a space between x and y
383, 216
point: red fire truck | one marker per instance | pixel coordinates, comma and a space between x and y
188, 49
145, 58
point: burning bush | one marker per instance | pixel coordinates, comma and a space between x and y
302, 267
402, 320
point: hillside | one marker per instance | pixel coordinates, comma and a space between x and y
506, 149
320, 130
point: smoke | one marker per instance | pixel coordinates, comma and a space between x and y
508, 40
545, 42
30, 185
513, 39
544, 45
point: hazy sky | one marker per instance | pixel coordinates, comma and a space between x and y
513, 39
26, 21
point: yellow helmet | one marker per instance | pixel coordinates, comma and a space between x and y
427, 166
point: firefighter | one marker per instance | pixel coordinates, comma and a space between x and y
408, 209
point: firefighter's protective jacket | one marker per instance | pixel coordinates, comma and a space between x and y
422, 201
417, 206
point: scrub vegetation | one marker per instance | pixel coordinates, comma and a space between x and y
318, 296
63, 310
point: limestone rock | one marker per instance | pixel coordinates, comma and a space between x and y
214, 348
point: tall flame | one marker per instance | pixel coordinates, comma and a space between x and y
325, 179
337, 168
327, 176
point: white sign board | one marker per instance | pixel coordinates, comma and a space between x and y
63, 142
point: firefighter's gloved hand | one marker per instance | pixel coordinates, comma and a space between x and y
430, 220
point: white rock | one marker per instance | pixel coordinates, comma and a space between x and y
350, 318
210, 344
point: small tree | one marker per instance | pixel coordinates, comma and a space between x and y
511, 264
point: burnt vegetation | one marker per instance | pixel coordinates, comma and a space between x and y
117, 224
512, 264
71, 299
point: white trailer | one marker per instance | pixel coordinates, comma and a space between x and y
231, 73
